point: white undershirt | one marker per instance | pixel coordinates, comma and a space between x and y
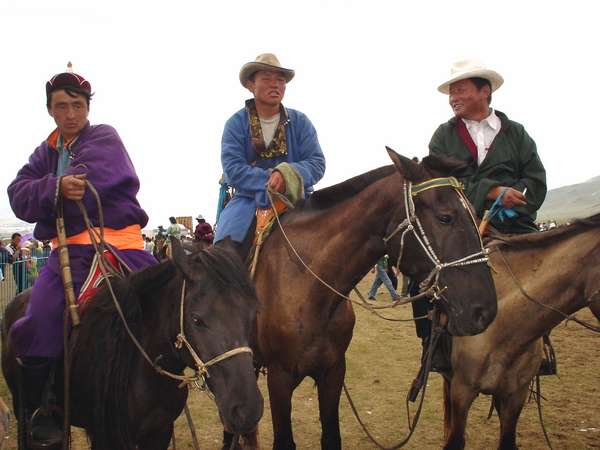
483, 133
269, 125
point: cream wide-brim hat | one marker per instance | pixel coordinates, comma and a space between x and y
264, 61
471, 68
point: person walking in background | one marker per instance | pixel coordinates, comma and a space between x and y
4, 260
29, 270
18, 270
381, 277
203, 231
161, 234
148, 245
174, 230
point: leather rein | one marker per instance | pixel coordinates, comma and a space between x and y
198, 379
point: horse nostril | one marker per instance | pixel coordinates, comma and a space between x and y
481, 318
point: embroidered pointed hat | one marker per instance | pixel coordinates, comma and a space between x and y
264, 61
471, 68
68, 79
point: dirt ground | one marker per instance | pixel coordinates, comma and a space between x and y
382, 361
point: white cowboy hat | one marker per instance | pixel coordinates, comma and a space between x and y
471, 68
264, 61
199, 217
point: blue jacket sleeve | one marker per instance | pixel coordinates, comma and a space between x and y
239, 173
311, 164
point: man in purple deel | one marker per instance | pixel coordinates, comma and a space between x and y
74, 152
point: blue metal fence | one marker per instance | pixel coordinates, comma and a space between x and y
18, 276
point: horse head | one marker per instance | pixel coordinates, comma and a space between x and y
436, 240
218, 311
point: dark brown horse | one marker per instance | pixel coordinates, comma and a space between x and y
558, 268
304, 328
116, 395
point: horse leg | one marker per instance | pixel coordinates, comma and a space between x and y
281, 385
329, 387
156, 440
461, 397
595, 308
509, 409
447, 410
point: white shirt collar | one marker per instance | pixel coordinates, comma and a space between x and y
493, 121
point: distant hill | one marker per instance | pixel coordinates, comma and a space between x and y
571, 202
10, 225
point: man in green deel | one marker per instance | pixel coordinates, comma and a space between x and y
501, 160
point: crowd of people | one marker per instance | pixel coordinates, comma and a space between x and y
202, 233
24, 259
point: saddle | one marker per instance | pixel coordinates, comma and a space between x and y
265, 218
95, 277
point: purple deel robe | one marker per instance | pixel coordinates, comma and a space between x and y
99, 153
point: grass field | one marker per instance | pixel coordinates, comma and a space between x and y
382, 361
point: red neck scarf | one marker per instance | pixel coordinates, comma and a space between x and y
463, 133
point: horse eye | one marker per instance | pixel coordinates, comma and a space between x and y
198, 321
445, 219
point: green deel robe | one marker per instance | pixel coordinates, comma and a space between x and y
512, 160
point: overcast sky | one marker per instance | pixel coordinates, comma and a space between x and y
165, 75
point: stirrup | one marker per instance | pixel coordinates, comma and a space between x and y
54, 438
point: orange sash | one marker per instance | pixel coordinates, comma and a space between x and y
128, 238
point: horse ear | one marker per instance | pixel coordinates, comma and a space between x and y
411, 170
181, 260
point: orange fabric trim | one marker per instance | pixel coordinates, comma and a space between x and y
128, 238
53, 138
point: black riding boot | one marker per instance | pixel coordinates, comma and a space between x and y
440, 362
548, 365
44, 425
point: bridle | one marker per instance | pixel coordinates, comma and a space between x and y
430, 286
411, 190
201, 371
198, 379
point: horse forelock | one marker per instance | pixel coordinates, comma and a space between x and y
438, 165
225, 269
333, 195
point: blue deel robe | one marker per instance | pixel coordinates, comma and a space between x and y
249, 174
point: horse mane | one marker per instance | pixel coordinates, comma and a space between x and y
433, 166
539, 239
139, 294
333, 195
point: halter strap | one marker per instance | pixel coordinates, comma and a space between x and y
201, 366
412, 224
435, 183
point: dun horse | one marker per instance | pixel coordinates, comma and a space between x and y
116, 395
304, 329
559, 268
